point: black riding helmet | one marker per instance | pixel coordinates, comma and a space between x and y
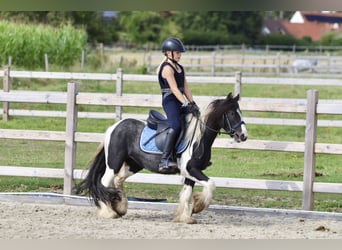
173, 44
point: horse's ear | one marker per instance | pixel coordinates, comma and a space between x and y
230, 96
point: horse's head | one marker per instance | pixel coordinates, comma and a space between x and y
226, 114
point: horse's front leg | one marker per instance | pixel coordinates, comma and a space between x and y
185, 206
202, 199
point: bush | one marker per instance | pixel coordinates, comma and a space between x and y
276, 39
332, 40
27, 44
287, 40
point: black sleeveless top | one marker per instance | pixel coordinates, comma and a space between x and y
179, 77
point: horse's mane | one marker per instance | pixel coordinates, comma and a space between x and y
194, 129
213, 112
219, 106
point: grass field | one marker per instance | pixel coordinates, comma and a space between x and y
226, 163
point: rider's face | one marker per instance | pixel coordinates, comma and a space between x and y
176, 55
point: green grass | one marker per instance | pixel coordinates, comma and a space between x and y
253, 164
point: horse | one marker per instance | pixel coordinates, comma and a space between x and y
121, 156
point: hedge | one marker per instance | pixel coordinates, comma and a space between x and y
27, 44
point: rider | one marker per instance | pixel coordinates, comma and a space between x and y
176, 95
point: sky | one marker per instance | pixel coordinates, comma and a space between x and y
194, 5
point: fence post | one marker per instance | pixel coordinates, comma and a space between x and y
101, 48
149, 62
6, 88
213, 61
70, 144
309, 154
119, 87
278, 64
237, 85
82, 58
46, 58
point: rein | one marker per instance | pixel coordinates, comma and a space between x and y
231, 131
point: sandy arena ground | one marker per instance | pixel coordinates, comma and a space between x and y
45, 221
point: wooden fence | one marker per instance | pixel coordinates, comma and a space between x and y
119, 77
280, 64
310, 106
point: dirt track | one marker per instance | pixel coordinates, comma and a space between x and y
42, 221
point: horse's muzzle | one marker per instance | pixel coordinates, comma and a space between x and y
242, 134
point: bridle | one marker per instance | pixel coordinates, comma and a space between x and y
231, 130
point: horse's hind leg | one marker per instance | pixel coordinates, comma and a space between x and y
121, 206
184, 209
105, 210
117, 208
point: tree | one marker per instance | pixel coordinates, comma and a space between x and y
246, 25
278, 14
151, 27
220, 27
141, 27
99, 28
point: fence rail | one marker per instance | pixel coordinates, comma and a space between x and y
310, 106
223, 64
238, 80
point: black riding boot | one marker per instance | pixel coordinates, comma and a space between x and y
167, 164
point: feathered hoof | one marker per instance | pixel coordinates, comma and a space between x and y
105, 211
191, 221
102, 213
199, 204
188, 220
120, 207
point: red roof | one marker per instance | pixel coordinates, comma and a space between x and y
315, 26
332, 17
315, 30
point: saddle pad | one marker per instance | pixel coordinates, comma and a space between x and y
151, 146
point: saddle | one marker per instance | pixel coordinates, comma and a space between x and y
154, 134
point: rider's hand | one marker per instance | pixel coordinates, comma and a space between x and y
191, 108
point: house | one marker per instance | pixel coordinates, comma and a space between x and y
306, 24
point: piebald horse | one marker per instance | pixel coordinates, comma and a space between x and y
121, 156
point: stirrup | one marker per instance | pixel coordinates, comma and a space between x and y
168, 169
167, 166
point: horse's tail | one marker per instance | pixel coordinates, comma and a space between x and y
92, 185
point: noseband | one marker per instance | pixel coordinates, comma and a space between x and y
231, 130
